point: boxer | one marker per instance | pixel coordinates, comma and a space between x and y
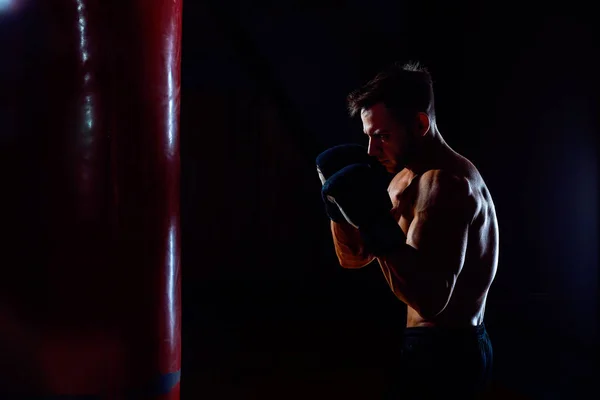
424, 213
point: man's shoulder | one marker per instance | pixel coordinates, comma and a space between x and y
447, 189
440, 181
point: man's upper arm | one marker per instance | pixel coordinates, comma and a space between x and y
443, 211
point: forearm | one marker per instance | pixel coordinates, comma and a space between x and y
349, 246
398, 269
407, 271
413, 282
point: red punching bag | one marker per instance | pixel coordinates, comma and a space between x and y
89, 166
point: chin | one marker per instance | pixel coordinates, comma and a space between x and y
392, 169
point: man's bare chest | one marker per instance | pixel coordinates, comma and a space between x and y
403, 194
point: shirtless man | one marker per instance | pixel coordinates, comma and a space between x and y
425, 214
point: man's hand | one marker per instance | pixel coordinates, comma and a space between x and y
360, 192
331, 161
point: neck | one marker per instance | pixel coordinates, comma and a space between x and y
429, 151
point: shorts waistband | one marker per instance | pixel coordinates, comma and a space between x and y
469, 331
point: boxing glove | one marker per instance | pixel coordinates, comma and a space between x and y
334, 159
360, 193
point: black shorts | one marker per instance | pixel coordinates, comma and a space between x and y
441, 362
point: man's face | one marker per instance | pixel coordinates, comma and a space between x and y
390, 142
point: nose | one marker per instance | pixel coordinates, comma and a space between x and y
372, 149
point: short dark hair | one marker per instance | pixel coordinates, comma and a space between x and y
405, 89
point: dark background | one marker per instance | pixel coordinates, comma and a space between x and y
267, 311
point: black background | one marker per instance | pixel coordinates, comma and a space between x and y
268, 313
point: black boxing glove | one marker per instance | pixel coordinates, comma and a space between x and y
360, 193
334, 159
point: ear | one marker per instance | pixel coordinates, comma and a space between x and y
423, 123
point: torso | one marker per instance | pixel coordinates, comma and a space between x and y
467, 303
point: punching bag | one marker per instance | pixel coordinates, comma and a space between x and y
89, 168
